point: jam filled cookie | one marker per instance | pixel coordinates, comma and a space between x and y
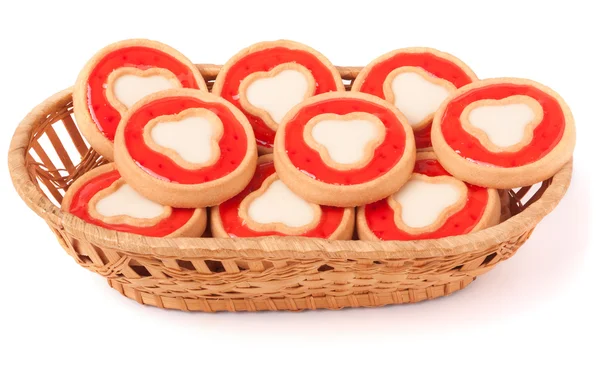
344, 149
268, 207
504, 133
103, 198
120, 75
416, 81
267, 79
185, 148
432, 204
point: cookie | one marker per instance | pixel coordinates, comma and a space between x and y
504, 133
185, 148
267, 207
344, 149
416, 81
432, 204
102, 197
267, 79
118, 76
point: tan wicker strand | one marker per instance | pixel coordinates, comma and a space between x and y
292, 273
76, 137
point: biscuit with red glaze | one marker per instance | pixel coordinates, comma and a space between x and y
268, 207
503, 133
186, 148
103, 198
432, 204
344, 149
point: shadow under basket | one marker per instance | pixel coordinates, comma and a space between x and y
251, 274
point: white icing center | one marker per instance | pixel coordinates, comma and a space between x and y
190, 137
423, 202
129, 88
278, 204
126, 201
345, 140
278, 94
504, 125
417, 97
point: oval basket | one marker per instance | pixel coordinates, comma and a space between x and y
269, 273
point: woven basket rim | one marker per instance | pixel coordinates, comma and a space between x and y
263, 247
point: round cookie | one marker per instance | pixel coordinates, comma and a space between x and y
504, 133
344, 149
267, 79
432, 204
416, 81
103, 198
118, 76
267, 207
185, 148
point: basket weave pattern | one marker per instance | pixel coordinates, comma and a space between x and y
271, 273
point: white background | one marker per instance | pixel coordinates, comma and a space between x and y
540, 307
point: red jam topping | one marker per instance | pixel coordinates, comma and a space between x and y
380, 216
545, 136
263, 61
309, 160
423, 137
439, 67
233, 144
331, 217
105, 115
82, 197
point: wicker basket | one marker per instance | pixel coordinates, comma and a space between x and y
271, 273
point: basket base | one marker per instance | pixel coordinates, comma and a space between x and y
217, 303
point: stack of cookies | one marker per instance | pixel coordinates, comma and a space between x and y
417, 149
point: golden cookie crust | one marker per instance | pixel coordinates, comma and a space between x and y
349, 195
501, 177
194, 227
344, 231
490, 217
86, 124
186, 195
